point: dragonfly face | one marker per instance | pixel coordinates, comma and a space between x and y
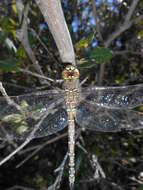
70, 73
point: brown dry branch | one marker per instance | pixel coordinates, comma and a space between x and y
44, 45
37, 75
7, 98
22, 35
94, 11
20, 8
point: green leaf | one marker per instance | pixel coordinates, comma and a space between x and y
141, 108
21, 53
119, 79
140, 188
101, 55
31, 38
9, 65
84, 42
96, 150
2, 37
140, 34
14, 7
12, 118
22, 128
9, 26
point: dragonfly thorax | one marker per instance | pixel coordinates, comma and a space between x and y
70, 73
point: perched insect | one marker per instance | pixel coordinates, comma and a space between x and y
104, 109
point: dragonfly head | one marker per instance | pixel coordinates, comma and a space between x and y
70, 73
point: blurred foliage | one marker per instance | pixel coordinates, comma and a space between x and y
84, 42
101, 55
8, 65
9, 26
120, 155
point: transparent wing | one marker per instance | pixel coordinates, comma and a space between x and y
53, 123
18, 125
104, 119
116, 97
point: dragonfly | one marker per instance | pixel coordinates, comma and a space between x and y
102, 109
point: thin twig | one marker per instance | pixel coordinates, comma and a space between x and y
28, 139
14, 152
40, 147
19, 87
119, 30
131, 10
12, 103
36, 75
8, 99
31, 135
94, 163
42, 43
19, 187
60, 170
20, 8
94, 10
98, 169
127, 52
22, 35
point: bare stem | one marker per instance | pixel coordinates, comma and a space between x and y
40, 147
94, 10
54, 17
22, 35
8, 99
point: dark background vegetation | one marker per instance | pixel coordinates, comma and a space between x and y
118, 63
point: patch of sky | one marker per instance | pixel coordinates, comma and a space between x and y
92, 21
98, 2
43, 26
79, 2
94, 43
112, 4
110, 1
65, 3
85, 13
75, 24
113, 9
102, 24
